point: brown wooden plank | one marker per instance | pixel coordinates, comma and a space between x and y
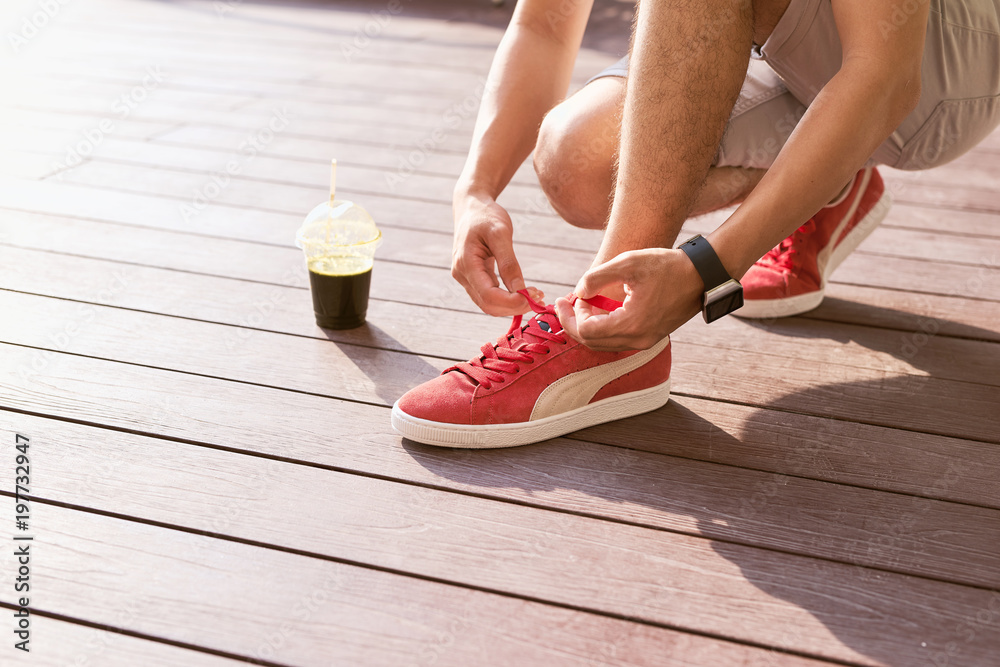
929, 537
50, 93
975, 319
974, 169
257, 417
381, 166
353, 85
356, 387
979, 255
289, 310
836, 611
912, 312
328, 612
882, 393
971, 223
949, 316
40, 110
240, 36
329, 74
262, 306
888, 241
176, 185
910, 185
59, 642
990, 145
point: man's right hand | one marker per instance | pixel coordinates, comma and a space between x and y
484, 244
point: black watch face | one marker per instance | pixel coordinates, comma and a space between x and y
723, 300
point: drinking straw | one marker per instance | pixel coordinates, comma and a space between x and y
333, 192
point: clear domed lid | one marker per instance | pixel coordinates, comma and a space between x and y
337, 223
338, 229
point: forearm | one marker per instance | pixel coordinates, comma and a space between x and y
853, 114
530, 74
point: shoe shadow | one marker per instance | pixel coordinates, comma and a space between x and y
805, 474
365, 347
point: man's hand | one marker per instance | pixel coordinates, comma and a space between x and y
662, 291
484, 243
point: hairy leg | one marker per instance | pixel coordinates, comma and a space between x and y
687, 65
577, 149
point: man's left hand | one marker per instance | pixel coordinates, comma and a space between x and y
662, 291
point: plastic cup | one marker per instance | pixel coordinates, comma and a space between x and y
339, 239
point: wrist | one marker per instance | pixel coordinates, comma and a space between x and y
731, 253
475, 184
465, 198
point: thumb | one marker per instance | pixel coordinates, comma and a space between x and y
615, 271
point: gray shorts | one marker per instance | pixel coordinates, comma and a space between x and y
960, 84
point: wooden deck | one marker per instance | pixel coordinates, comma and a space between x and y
215, 479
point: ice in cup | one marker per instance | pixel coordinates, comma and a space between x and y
339, 239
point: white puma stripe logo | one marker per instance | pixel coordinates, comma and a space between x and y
824, 255
577, 389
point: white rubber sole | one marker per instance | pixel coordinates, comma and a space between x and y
766, 309
494, 436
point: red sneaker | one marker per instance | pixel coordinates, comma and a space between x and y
533, 384
791, 278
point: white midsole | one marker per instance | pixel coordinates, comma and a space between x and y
490, 436
802, 303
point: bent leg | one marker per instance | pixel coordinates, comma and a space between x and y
577, 145
575, 154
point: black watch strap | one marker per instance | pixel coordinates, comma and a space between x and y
707, 263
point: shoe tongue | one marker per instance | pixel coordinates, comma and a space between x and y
544, 321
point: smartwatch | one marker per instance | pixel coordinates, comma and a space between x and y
723, 295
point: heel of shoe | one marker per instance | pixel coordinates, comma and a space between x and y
858, 234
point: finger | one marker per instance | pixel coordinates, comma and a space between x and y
570, 321
486, 293
567, 318
606, 331
507, 265
459, 275
613, 272
595, 326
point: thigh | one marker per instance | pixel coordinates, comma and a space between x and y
762, 119
960, 88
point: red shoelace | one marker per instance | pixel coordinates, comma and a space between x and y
520, 345
782, 256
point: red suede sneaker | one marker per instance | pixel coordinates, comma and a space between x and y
791, 278
533, 384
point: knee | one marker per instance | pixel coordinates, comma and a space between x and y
574, 162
